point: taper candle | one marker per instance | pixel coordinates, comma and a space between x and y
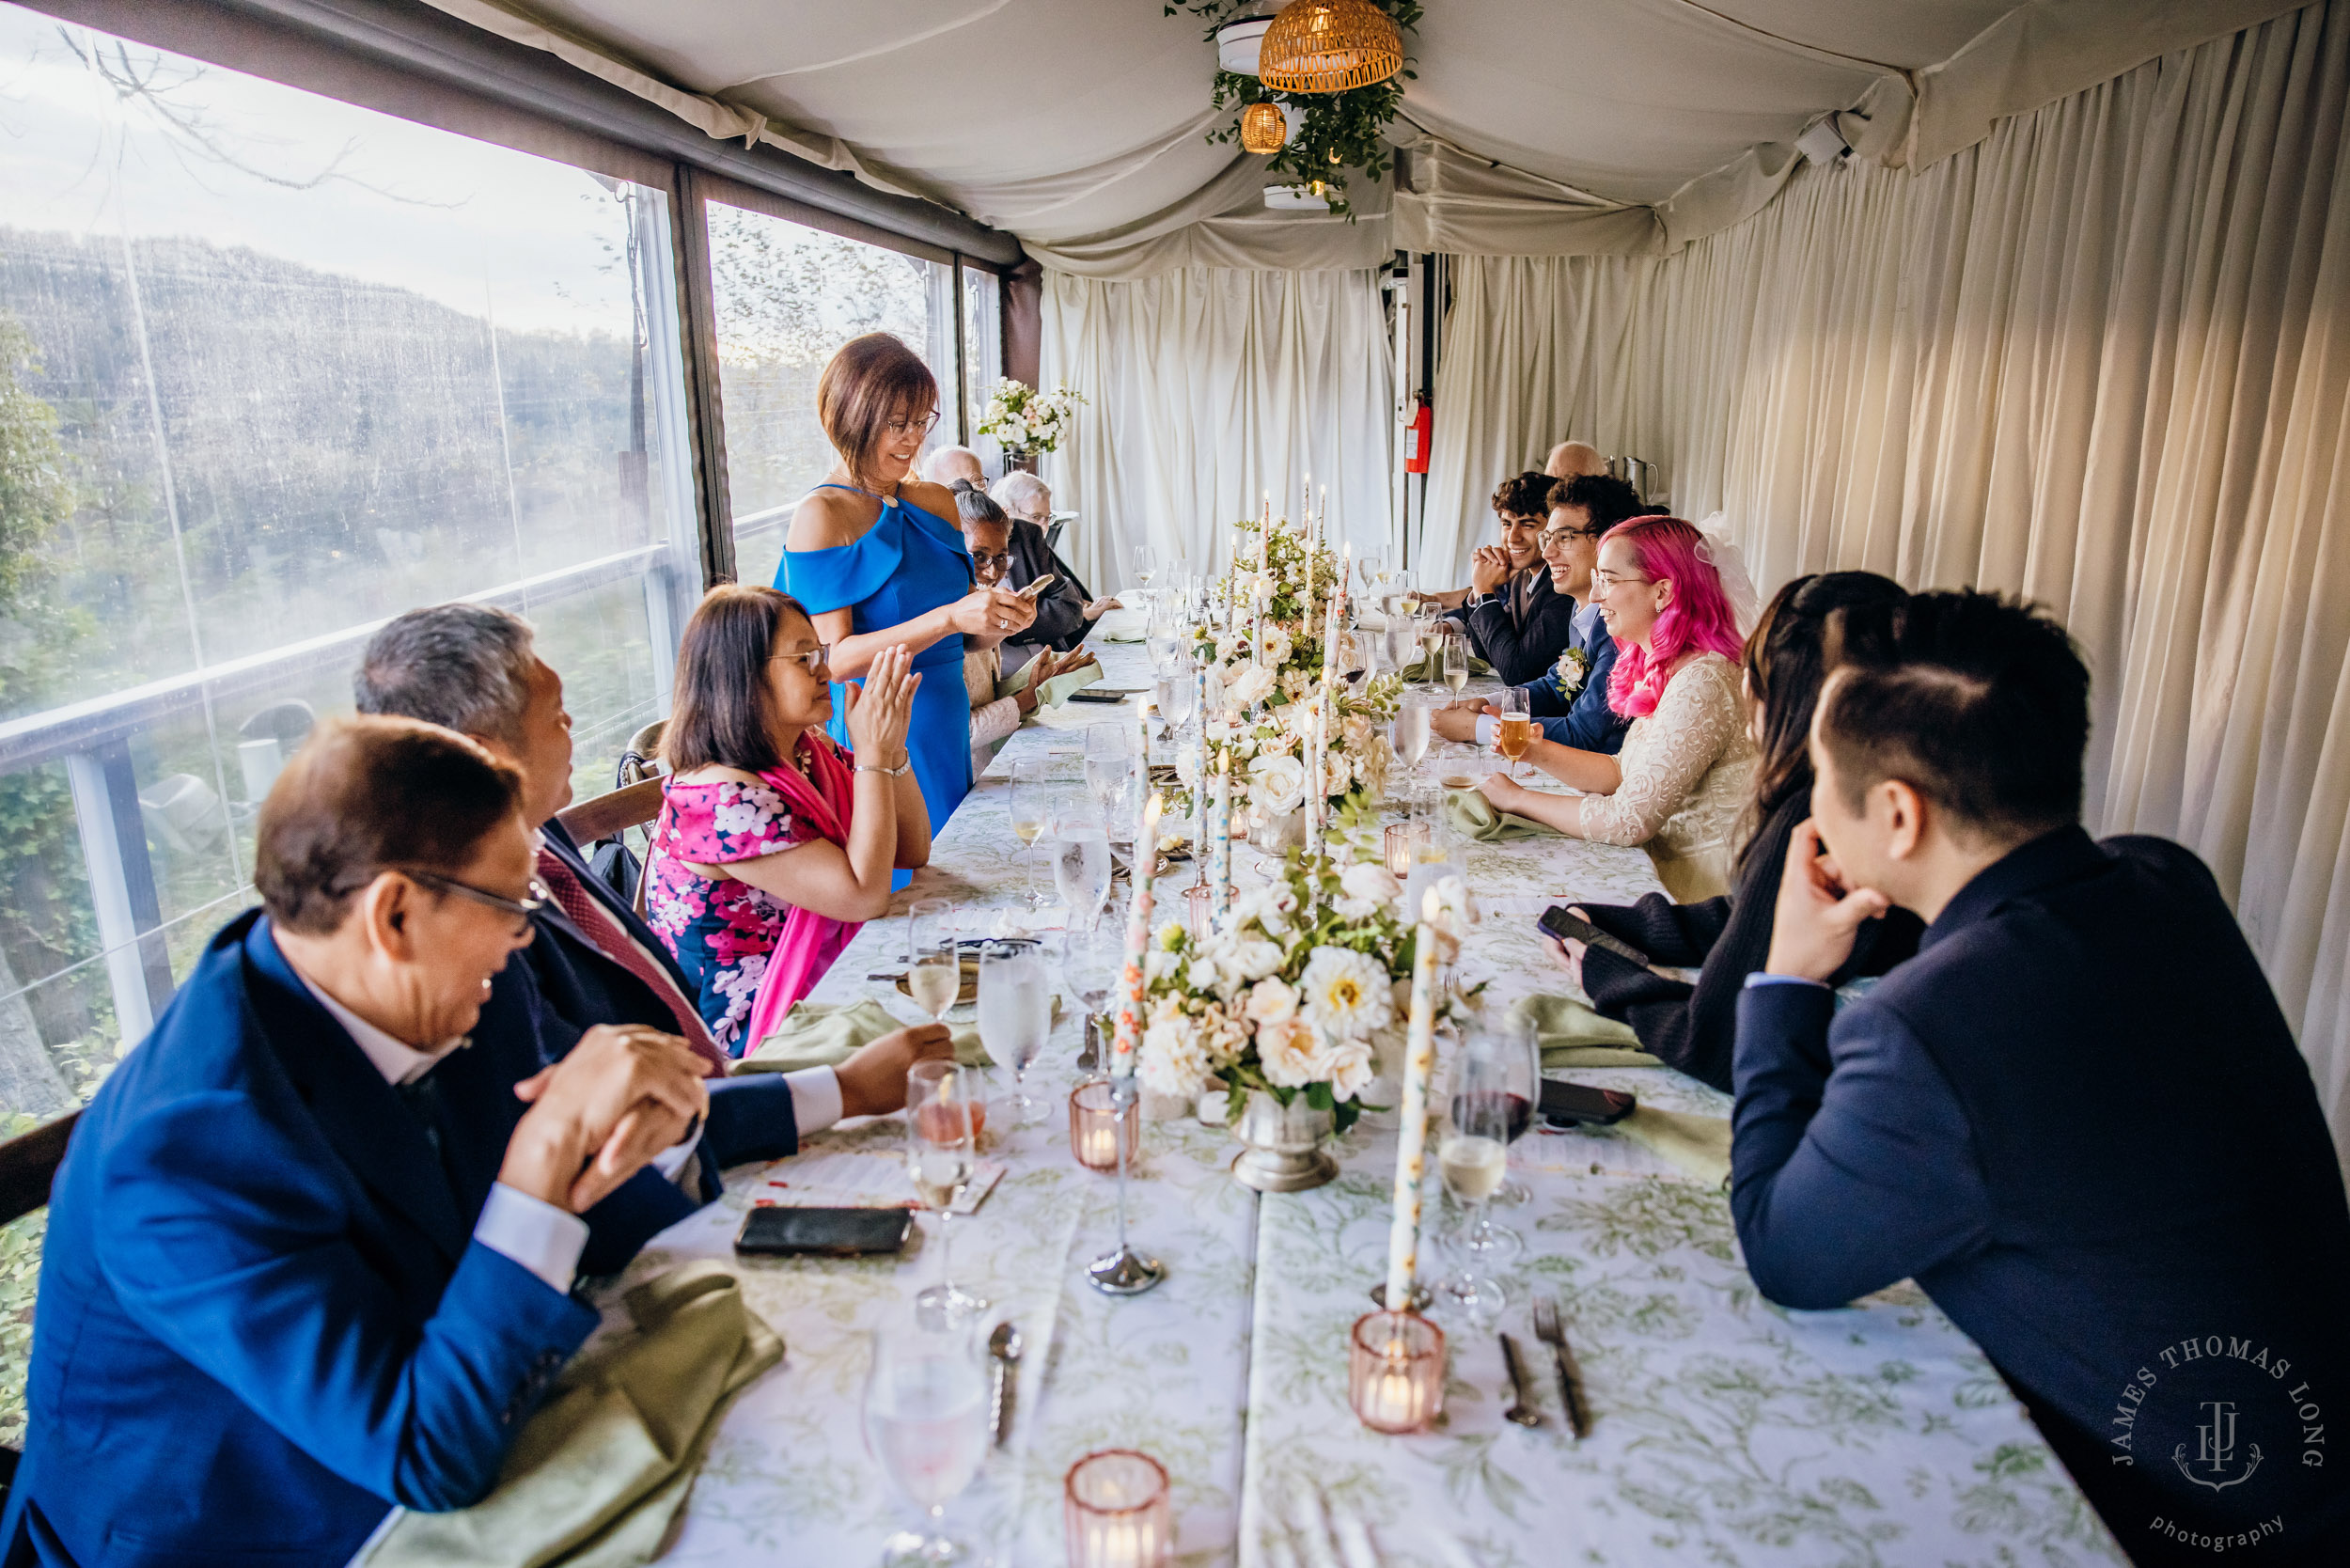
1411, 1150
1199, 775
1130, 1004
1223, 871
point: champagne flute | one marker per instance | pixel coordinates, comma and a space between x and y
1454, 650
1015, 1014
943, 1124
1031, 804
934, 967
925, 1420
1515, 731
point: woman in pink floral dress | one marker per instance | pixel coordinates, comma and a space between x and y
772, 848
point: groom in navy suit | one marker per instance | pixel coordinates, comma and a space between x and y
2076, 1117
310, 1254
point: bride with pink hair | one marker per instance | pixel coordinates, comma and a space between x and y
1680, 780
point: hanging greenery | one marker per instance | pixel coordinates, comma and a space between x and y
1336, 132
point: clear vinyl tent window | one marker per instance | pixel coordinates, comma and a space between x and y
786, 297
983, 356
274, 369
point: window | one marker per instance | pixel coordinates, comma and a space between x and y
272, 370
787, 297
983, 356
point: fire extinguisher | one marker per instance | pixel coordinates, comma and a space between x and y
1417, 435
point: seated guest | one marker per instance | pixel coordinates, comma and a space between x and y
1517, 621
987, 533
1693, 1028
1064, 612
1681, 778
1570, 700
771, 848
307, 1258
1570, 460
473, 669
2076, 1118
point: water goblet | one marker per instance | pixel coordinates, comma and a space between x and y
943, 1125
924, 1419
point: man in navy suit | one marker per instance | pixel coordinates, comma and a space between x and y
474, 669
310, 1253
2077, 1118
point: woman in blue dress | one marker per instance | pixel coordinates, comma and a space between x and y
877, 556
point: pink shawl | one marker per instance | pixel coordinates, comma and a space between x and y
809, 942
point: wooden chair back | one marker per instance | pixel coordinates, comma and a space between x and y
28, 1165
604, 816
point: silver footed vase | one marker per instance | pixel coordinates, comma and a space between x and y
1282, 1146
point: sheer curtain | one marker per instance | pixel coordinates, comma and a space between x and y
2100, 358
1207, 388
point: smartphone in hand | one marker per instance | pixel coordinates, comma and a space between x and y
1563, 923
1037, 588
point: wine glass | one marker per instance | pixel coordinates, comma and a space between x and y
1031, 805
1081, 861
1146, 561
933, 966
1521, 1055
944, 1119
1515, 731
1015, 1014
925, 1418
1412, 733
1089, 965
1473, 1152
1109, 762
1449, 656
1173, 696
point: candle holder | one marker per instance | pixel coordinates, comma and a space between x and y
1115, 1512
1093, 1126
1199, 910
1124, 1272
1402, 841
1395, 1372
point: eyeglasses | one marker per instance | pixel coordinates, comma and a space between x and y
1601, 579
523, 908
913, 427
1559, 538
813, 660
1000, 559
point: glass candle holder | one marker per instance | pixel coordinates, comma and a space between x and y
1395, 1372
1093, 1127
1199, 910
1116, 1513
1402, 843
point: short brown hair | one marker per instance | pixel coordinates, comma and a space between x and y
1526, 495
723, 708
871, 381
368, 794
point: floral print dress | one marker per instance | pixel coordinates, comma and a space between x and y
722, 931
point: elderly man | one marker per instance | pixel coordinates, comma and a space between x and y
1573, 459
1068, 612
475, 669
310, 1255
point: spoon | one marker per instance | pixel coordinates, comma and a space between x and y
1003, 1348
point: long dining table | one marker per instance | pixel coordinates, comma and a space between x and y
1726, 1429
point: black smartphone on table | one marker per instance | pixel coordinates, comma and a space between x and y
1566, 1105
826, 1232
1099, 693
1563, 923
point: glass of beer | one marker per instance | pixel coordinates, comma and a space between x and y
1515, 731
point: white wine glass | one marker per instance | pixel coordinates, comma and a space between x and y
1450, 649
945, 1116
1081, 861
1146, 563
1015, 1014
1515, 730
933, 965
1473, 1154
924, 1419
1031, 804
1412, 733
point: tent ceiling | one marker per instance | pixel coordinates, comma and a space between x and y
1062, 121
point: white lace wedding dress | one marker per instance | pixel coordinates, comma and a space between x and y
1686, 768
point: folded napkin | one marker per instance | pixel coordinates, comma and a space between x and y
596, 1477
1053, 692
1697, 1146
1470, 813
1126, 623
821, 1034
1571, 1035
1417, 669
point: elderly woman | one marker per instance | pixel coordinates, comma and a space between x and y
988, 532
1064, 613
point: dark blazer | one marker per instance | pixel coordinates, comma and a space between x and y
1696, 1027
750, 1116
263, 1319
1582, 720
2077, 1119
1061, 620
1522, 648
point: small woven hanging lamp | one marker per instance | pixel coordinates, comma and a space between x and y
1329, 46
1262, 129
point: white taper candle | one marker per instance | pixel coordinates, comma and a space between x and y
1411, 1149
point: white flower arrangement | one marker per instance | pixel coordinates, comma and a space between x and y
1025, 420
1302, 991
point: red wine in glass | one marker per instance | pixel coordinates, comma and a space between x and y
1518, 1110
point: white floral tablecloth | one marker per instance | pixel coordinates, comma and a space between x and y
1728, 1430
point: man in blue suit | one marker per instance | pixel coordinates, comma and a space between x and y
310, 1253
476, 669
1570, 700
2076, 1117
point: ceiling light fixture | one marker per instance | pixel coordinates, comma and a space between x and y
1262, 129
1317, 46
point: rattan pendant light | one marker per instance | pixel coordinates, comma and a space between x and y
1262, 129
1329, 46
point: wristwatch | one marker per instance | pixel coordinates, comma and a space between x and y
899, 772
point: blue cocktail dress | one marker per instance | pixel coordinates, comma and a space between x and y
908, 563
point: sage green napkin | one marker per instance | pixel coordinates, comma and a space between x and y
821, 1034
1417, 669
1573, 1035
1697, 1146
1470, 813
1053, 692
596, 1477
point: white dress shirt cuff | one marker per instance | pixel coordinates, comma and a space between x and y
1487, 728
815, 1098
677, 1158
533, 1233
1760, 977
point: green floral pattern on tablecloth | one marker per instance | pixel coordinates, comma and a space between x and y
1730, 1431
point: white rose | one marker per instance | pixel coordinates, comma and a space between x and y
1367, 879
1252, 685
1287, 1051
1279, 783
1201, 974
1348, 1065
1258, 958
1271, 1001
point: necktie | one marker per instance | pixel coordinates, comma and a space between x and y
422, 1096
613, 942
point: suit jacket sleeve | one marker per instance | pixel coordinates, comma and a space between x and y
1851, 1162
1060, 611
238, 1255
1519, 655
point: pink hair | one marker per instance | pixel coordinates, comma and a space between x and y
1699, 619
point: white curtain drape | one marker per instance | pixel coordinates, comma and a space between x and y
1209, 387
2100, 358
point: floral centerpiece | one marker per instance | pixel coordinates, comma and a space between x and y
1300, 993
1026, 421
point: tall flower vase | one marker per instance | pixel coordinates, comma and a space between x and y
1282, 1146
1019, 459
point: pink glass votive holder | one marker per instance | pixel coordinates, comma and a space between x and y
1401, 843
1093, 1127
1115, 1511
1395, 1372
1199, 910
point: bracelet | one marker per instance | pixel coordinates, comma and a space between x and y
899, 772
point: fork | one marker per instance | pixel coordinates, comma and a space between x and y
1548, 1329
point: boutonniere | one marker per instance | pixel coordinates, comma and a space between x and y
1573, 668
